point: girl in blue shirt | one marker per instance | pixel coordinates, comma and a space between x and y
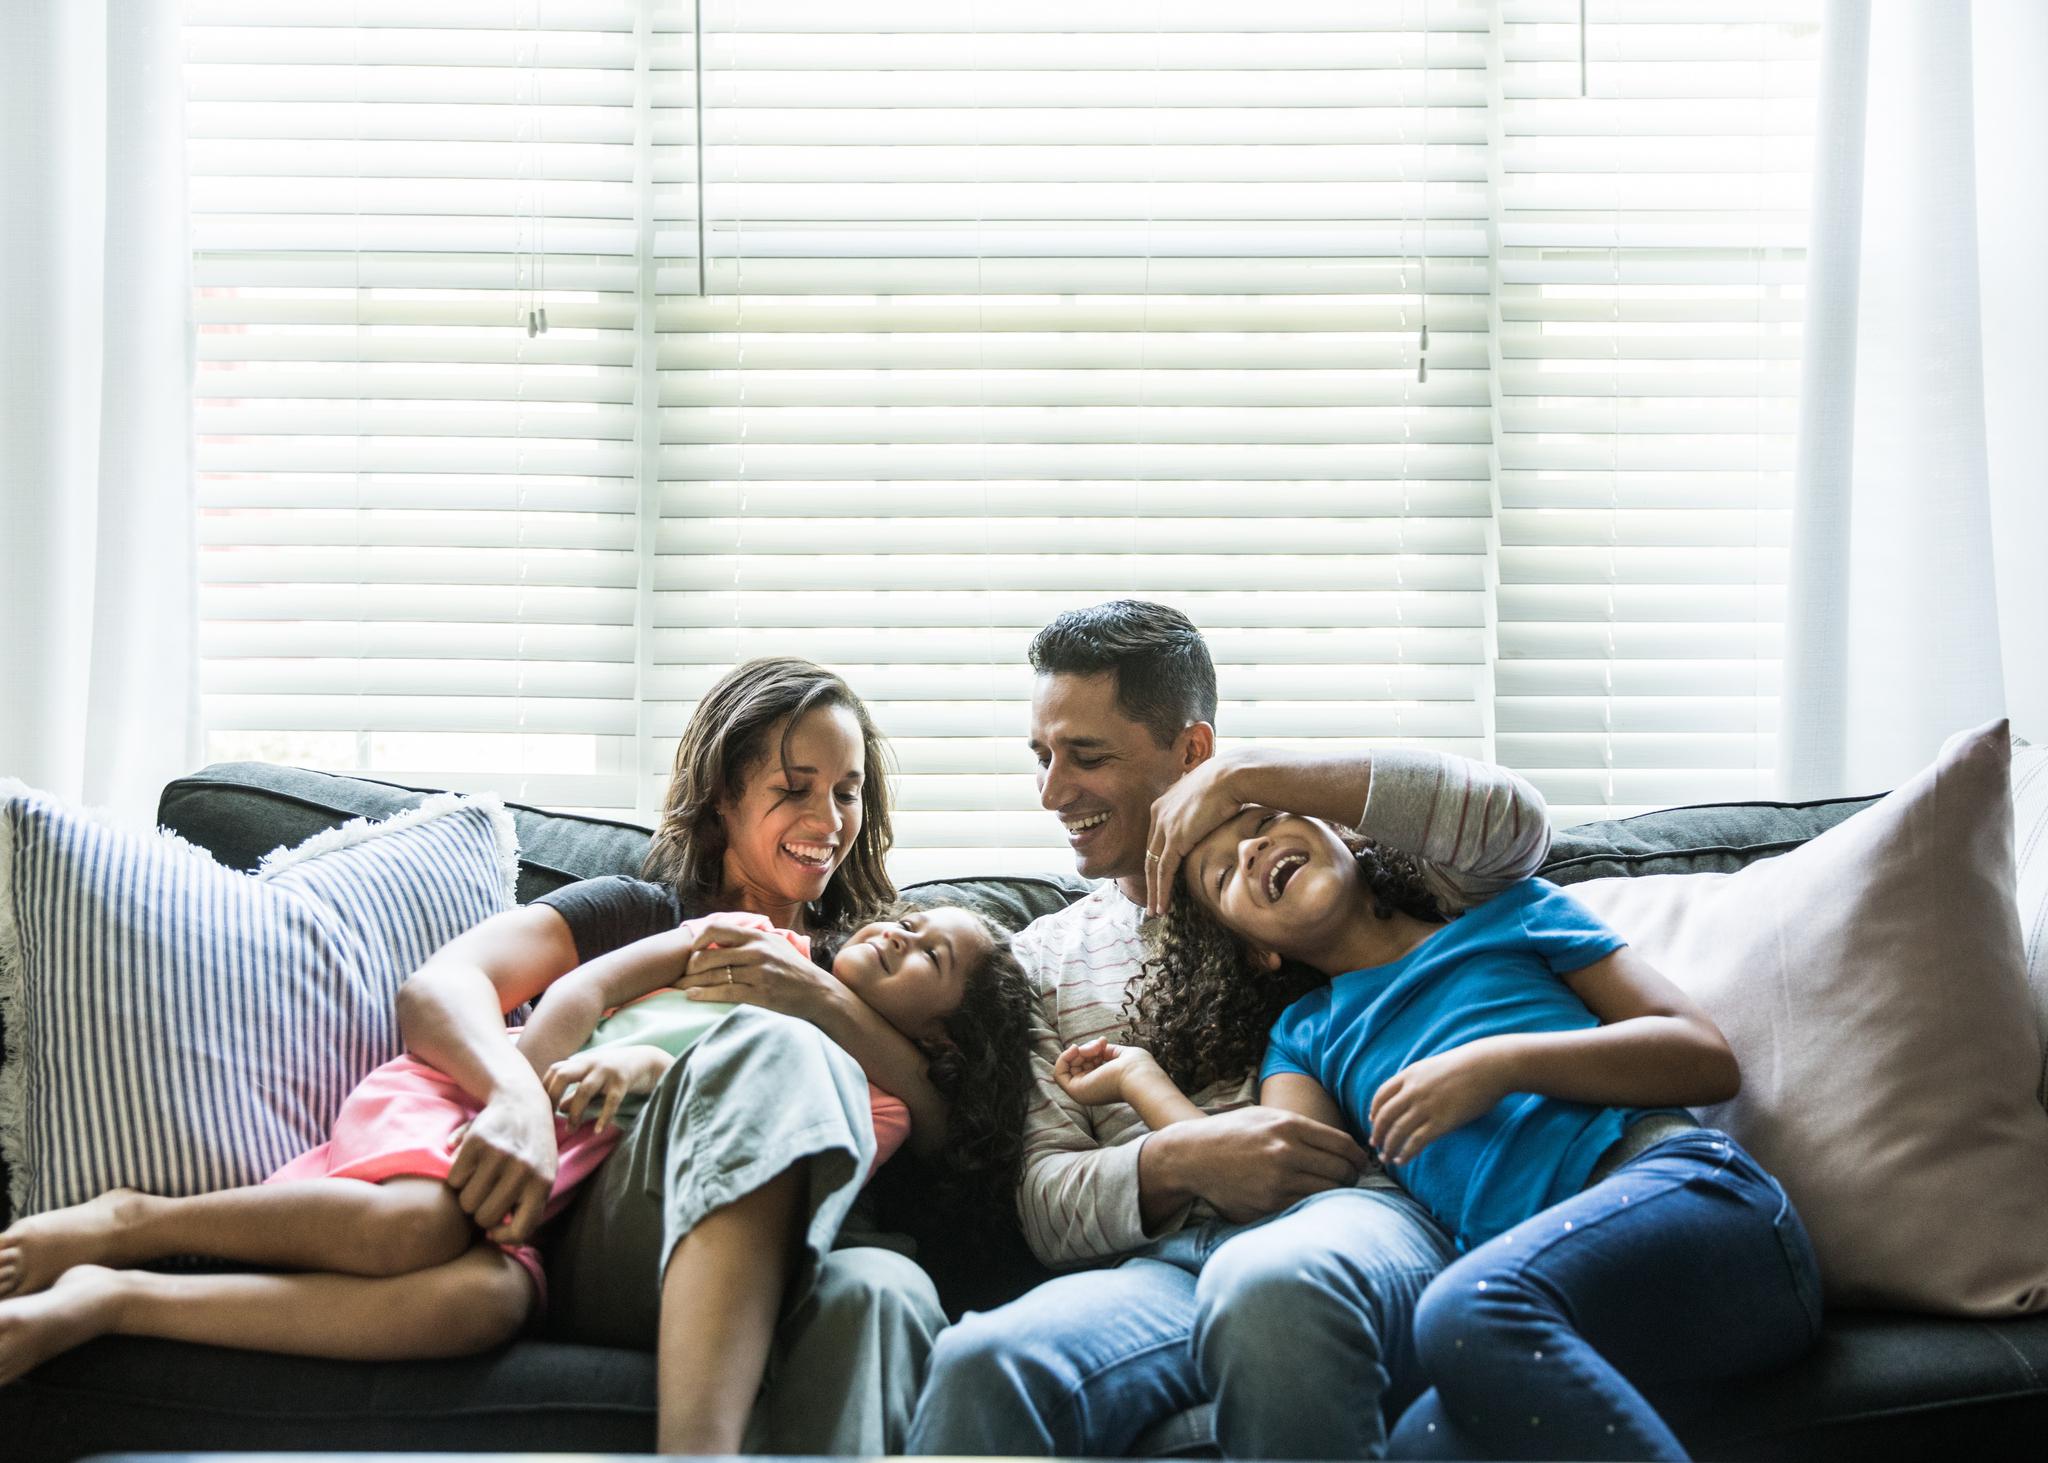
1516, 1066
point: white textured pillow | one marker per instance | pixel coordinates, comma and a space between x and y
177, 1026
1871, 984
2030, 843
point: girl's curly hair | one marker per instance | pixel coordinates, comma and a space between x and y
1204, 1004
984, 1073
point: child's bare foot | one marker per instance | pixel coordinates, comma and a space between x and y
36, 1250
77, 1308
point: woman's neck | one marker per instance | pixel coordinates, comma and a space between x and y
740, 899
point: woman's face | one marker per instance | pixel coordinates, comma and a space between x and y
914, 970
1280, 881
793, 825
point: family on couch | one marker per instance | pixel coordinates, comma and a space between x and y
1307, 1002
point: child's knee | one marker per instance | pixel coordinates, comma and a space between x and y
419, 1225
486, 1297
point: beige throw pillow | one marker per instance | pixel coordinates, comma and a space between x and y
1872, 985
2030, 845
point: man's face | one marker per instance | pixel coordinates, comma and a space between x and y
1099, 772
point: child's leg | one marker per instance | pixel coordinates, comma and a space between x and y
340, 1225
720, 1298
1685, 1266
469, 1304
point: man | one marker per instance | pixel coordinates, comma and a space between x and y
1250, 1266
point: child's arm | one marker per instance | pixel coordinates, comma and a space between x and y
574, 1005
1100, 1072
606, 1077
1292, 1092
1654, 1047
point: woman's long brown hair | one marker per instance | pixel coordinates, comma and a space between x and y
726, 741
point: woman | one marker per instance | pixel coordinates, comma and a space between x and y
778, 807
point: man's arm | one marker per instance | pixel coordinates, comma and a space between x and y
1476, 827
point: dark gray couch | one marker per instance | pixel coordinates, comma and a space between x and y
1880, 1386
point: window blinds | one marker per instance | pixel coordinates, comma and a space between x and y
882, 334
1646, 313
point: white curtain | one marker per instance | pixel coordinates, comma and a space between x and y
1918, 600
97, 601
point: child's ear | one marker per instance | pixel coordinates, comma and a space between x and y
1269, 960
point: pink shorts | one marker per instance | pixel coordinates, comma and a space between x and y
405, 1120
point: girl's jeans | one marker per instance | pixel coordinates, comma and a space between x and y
1684, 1266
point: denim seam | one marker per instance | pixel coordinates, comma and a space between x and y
1077, 1395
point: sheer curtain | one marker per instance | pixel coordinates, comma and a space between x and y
1916, 604
97, 600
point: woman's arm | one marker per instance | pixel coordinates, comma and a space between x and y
451, 1014
760, 968
1654, 1047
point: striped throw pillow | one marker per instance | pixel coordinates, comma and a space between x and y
176, 1026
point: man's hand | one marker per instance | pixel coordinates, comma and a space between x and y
1182, 817
1420, 1103
505, 1166
1249, 1163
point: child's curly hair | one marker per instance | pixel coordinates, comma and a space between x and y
984, 1073
1204, 1004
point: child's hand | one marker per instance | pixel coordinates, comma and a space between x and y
610, 1073
1419, 1104
1094, 1072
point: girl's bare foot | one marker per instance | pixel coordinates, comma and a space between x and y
77, 1308
39, 1249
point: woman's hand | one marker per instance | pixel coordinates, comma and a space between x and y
1419, 1104
505, 1165
1182, 817
1094, 1073
607, 1076
757, 968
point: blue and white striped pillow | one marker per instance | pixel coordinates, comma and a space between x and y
177, 1026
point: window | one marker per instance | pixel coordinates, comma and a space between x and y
916, 323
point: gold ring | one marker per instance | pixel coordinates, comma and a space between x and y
1151, 858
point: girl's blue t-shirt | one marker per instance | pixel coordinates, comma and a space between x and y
1494, 969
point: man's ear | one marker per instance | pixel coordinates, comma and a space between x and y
1194, 746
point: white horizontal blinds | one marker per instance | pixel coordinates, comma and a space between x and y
1014, 307
419, 518
1647, 315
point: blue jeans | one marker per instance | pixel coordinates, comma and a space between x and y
1299, 1327
1683, 1267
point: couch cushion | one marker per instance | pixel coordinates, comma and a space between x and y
178, 1026
1714, 838
123, 1394
1858, 978
1012, 901
240, 811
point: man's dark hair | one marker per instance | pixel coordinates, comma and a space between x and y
1165, 680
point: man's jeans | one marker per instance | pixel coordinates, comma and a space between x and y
1299, 1327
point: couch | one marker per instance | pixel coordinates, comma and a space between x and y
1879, 1386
